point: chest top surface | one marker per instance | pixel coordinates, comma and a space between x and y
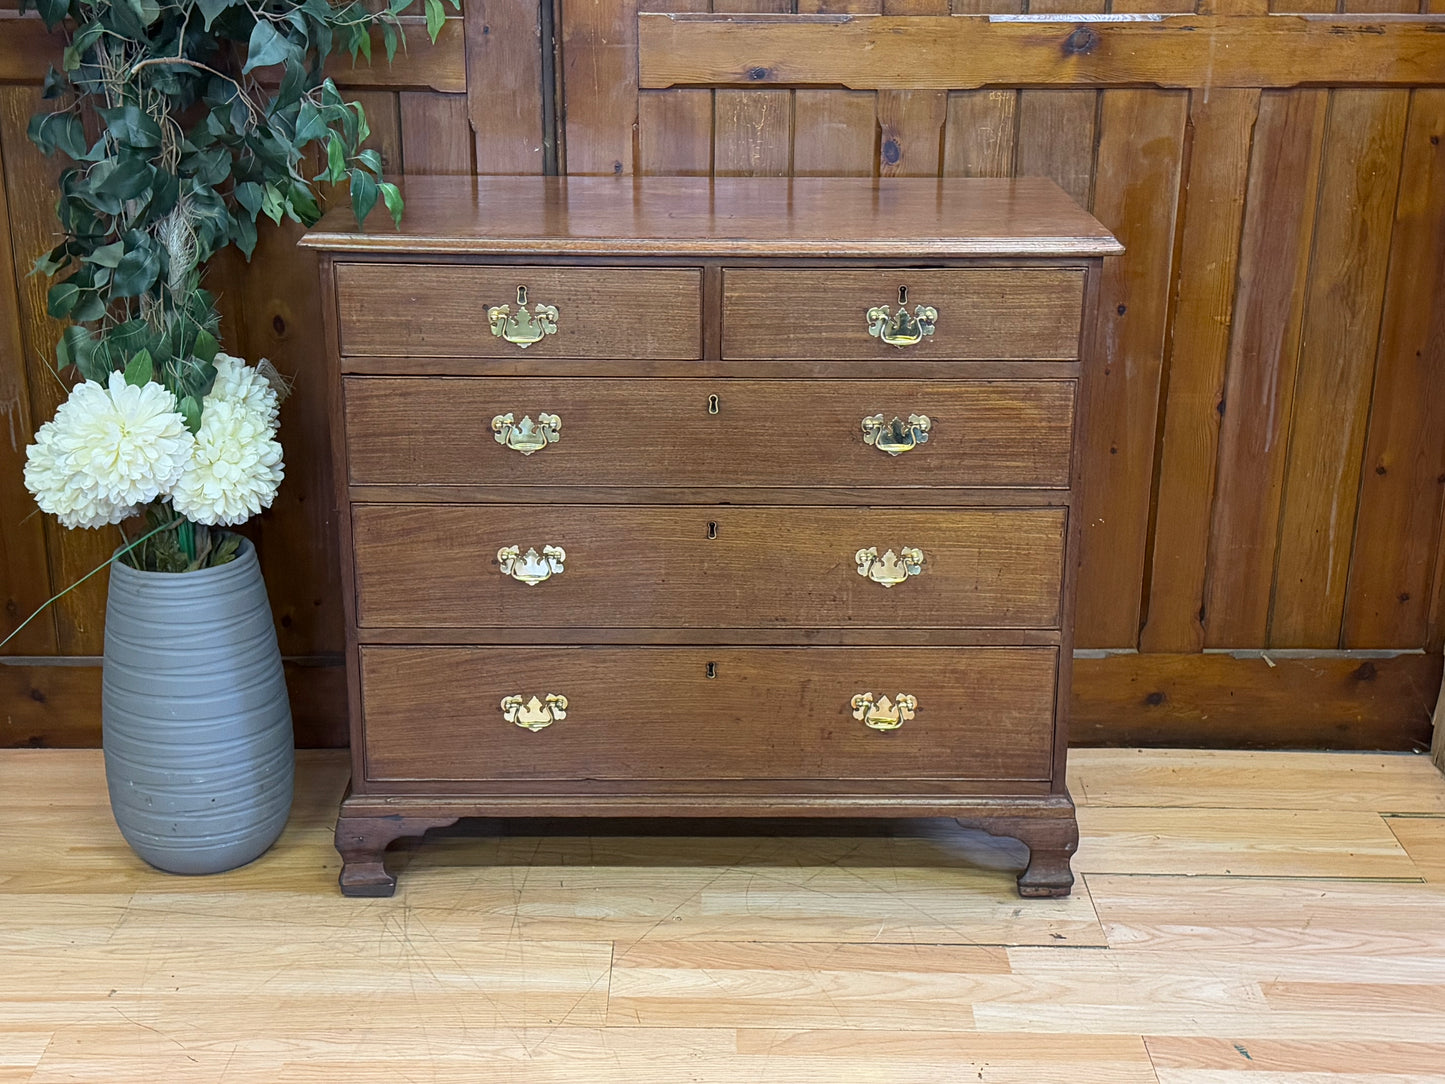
729, 217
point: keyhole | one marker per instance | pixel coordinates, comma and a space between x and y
903, 295
713, 403
712, 528
521, 295
712, 669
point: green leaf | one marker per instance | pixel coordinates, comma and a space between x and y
392, 195
107, 255
363, 194
335, 159
90, 308
130, 124
211, 8
248, 195
243, 235
436, 18
271, 205
267, 46
60, 301
206, 348
140, 370
77, 347
136, 273
310, 124
190, 409
371, 159
388, 37
52, 11
62, 131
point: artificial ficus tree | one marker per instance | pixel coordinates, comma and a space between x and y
186, 122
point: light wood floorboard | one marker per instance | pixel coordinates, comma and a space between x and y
1240, 918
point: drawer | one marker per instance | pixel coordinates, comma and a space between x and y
982, 314
655, 713
438, 431
438, 566
440, 310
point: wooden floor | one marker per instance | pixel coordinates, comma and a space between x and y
1239, 918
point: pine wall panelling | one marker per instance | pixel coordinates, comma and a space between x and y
1267, 439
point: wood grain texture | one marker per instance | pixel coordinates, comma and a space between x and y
983, 713
279, 317
435, 566
835, 133
910, 137
56, 705
30, 179
1345, 292
433, 431
503, 86
383, 117
982, 314
433, 130
1221, 701
735, 936
1424, 841
818, 216
980, 138
1140, 141
1392, 564
1260, 373
674, 128
1221, 134
752, 130
441, 310
24, 567
963, 52
599, 85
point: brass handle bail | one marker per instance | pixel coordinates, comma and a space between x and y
891, 568
884, 714
534, 714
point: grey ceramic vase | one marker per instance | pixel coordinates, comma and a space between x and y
199, 756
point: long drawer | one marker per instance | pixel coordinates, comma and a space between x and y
639, 713
440, 310
984, 313
637, 432
441, 566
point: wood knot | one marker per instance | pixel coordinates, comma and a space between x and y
757, 75
1154, 699
1082, 40
892, 152
1365, 672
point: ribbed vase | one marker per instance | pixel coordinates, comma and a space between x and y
199, 755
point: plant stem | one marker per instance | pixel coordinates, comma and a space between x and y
113, 557
186, 536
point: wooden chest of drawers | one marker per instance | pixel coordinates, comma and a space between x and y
688, 498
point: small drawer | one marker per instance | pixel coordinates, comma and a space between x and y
857, 434
441, 310
1001, 314
701, 567
662, 713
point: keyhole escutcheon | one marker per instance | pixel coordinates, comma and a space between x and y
712, 528
714, 404
711, 670
521, 295
903, 295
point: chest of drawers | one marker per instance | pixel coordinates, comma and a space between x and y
687, 498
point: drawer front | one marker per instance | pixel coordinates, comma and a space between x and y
438, 566
438, 431
986, 314
644, 713
439, 310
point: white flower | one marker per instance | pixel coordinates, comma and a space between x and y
234, 468
237, 382
107, 452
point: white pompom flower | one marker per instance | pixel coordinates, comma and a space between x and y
235, 467
108, 451
237, 382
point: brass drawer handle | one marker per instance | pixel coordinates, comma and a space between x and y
901, 329
535, 714
896, 437
522, 328
892, 568
884, 714
527, 436
531, 567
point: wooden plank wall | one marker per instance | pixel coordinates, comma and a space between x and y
1266, 451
